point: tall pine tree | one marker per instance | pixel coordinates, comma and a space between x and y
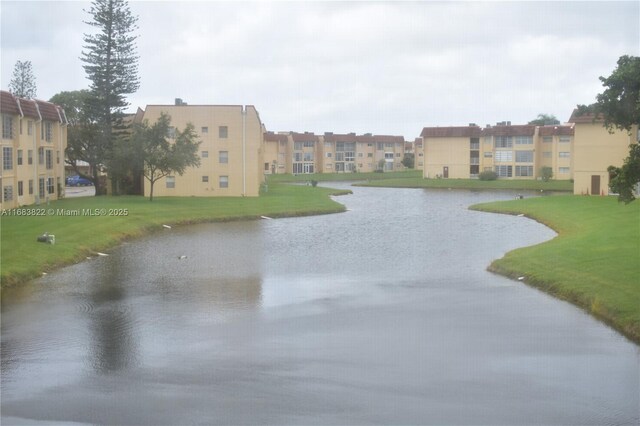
111, 63
23, 82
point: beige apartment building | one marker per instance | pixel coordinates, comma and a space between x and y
306, 153
34, 139
512, 151
231, 150
595, 149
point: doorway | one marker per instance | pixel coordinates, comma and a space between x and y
595, 184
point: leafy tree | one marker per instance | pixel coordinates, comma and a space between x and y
23, 82
545, 120
408, 160
546, 173
111, 64
161, 156
619, 106
82, 134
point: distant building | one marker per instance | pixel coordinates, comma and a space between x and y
34, 139
511, 151
306, 153
231, 150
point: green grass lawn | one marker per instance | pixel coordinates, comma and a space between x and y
518, 184
79, 236
594, 262
340, 177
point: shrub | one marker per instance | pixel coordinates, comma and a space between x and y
488, 175
546, 173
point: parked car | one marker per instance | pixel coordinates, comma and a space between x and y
78, 181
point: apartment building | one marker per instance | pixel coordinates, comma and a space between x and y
231, 150
595, 149
512, 151
34, 139
306, 153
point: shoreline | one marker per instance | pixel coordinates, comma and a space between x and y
509, 266
141, 228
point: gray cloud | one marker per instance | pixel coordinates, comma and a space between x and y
388, 68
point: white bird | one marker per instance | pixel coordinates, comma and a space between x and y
182, 257
102, 254
166, 226
265, 217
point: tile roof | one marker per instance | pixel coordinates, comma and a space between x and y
304, 137
29, 108
451, 132
556, 130
8, 103
576, 117
49, 111
517, 130
275, 137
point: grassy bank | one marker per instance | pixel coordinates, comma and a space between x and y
79, 236
594, 262
419, 182
343, 177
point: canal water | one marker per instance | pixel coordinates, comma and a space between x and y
384, 314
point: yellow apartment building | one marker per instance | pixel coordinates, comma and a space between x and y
275, 152
231, 150
34, 139
306, 153
595, 150
511, 151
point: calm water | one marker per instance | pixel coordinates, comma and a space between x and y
383, 314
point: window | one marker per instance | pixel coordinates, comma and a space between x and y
328, 155
30, 127
223, 133
19, 157
49, 159
205, 179
504, 171
30, 157
360, 154
204, 154
204, 129
524, 156
563, 170
50, 186
41, 187
7, 158
487, 154
380, 146
397, 154
30, 186
388, 155
7, 127
57, 157
308, 144
308, 156
524, 170
474, 143
546, 154
266, 167
297, 156
20, 189
370, 155
171, 132
46, 130
524, 140
297, 146
565, 139
223, 157
504, 141
547, 139
224, 181
564, 154
7, 193
41, 156
171, 181
504, 156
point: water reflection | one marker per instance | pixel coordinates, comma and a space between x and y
382, 314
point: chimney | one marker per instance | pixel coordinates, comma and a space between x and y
179, 101
472, 124
508, 123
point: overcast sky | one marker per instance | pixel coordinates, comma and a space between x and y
380, 67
